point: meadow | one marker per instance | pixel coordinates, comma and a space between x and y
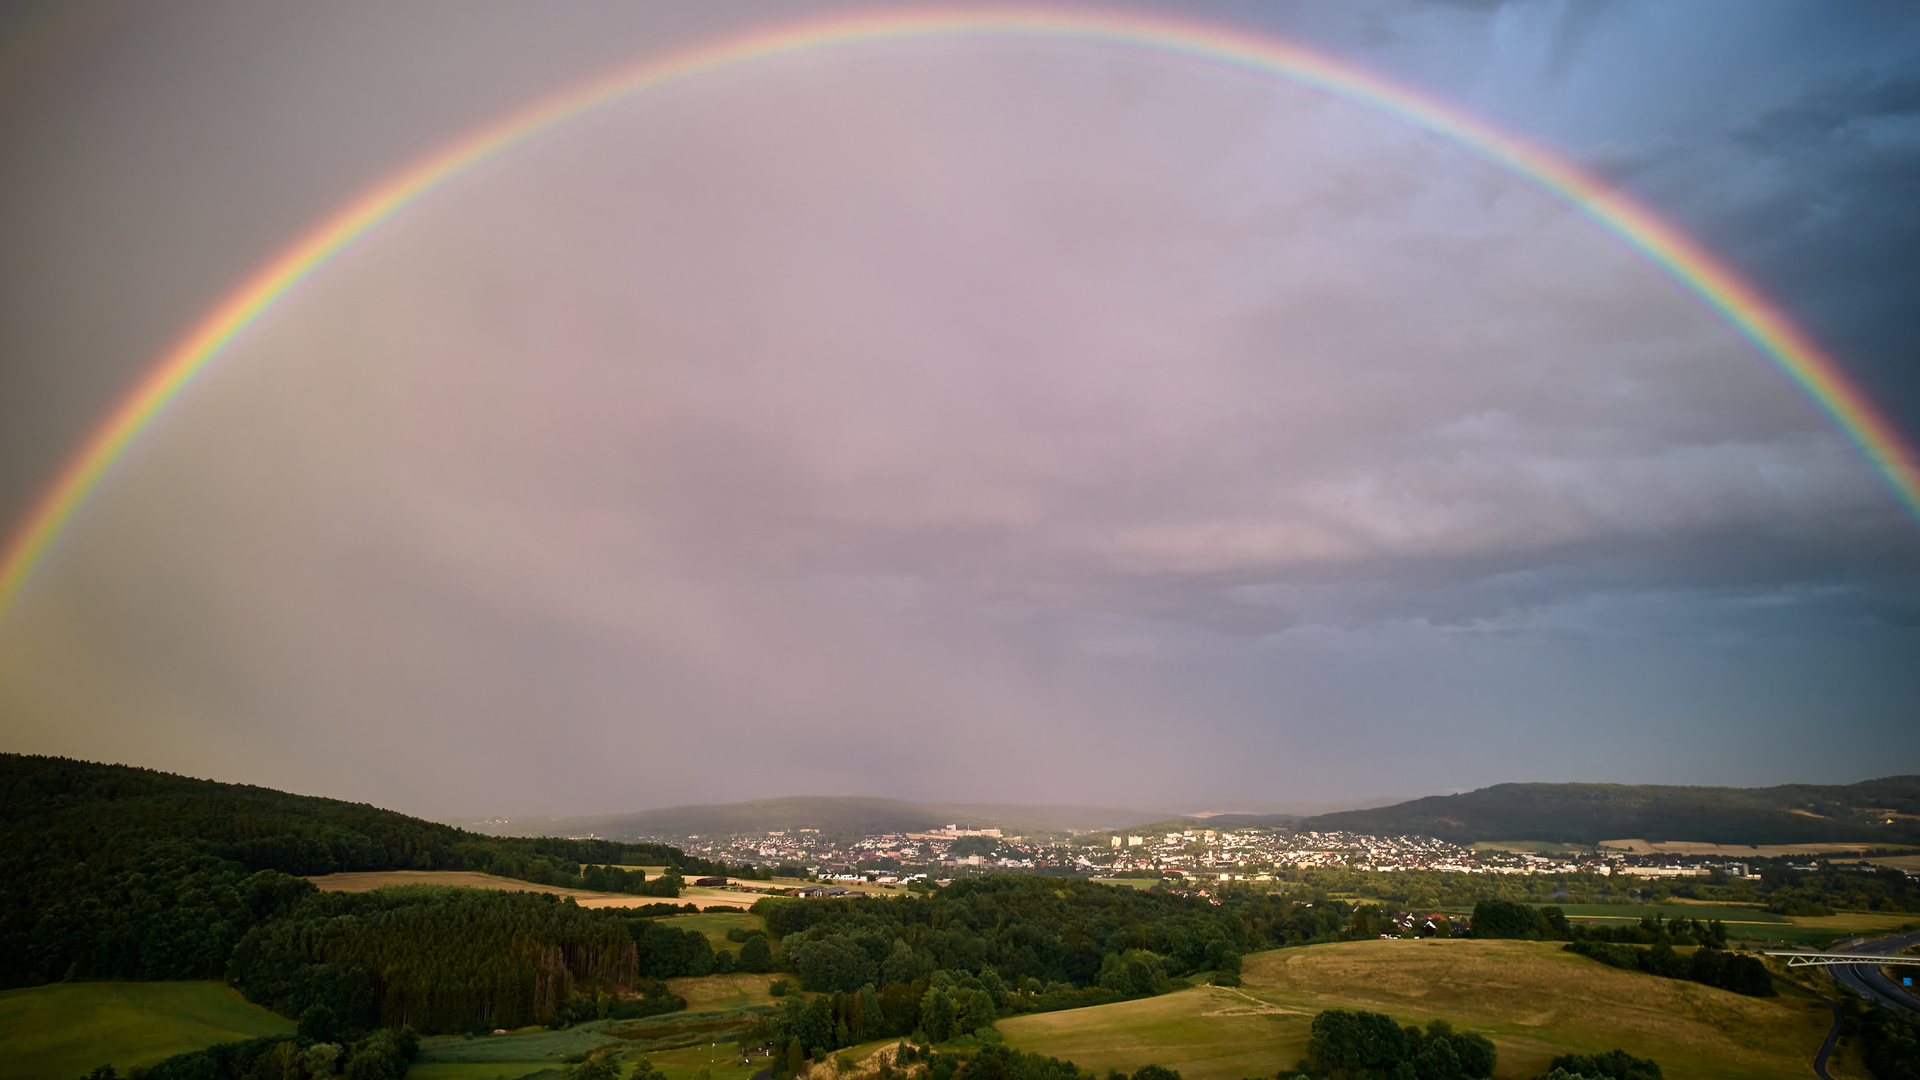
1531, 999
64, 1030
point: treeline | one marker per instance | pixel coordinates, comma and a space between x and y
1889, 1041
432, 958
1034, 932
122, 873
1722, 970
1364, 1045
1352, 1044
384, 1055
1620, 946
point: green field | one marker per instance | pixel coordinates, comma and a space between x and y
681, 1044
715, 925
1729, 913
1537, 847
60, 1031
1531, 999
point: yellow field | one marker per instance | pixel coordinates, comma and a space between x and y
1534, 1001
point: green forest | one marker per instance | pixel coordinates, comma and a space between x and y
122, 873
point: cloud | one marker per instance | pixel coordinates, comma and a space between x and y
950, 420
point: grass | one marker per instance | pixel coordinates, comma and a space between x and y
1535, 847
531, 1050
1534, 1001
1205, 1033
736, 990
63, 1030
493, 1070
715, 925
1729, 913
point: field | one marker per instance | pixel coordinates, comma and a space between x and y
1728, 913
1531, 999
469, 879
716, 924
1534, 847
63, 1030
680, 1044
1736, 851
736, 990
1750, 923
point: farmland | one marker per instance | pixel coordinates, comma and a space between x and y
62, 1030
1531, 999
363, 882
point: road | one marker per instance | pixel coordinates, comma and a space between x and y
1872, 983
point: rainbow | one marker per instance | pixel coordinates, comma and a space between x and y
1742, 307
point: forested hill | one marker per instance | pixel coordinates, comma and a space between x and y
85, 848
58, 811
1883, 811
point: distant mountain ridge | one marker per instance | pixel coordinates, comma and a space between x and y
832, 814
1883, 811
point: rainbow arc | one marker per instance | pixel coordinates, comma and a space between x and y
1743, 307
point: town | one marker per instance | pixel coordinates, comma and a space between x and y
1249, 854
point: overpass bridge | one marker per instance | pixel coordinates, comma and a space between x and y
1798, 958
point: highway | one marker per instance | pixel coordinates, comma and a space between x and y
1872, 983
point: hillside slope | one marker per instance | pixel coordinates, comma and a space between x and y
1884, 811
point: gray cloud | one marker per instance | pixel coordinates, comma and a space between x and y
988, 422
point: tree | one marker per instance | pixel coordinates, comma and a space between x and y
872, 1019
1506, 919
1353, 1040
833, 962
597, 1067
796, 1058
1228, 971
937, 1014
1612, 1065
756, 955
901, 965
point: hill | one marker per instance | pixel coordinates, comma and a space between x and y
1884, 811
1532, 1000
834, 815
121, 872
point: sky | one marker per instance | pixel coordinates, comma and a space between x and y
971, 418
